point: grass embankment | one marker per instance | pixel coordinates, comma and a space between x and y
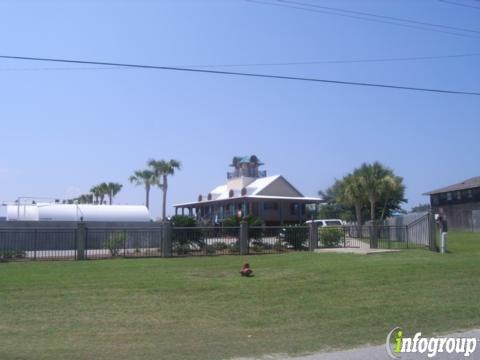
200, 308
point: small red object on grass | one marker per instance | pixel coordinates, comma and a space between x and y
246, 270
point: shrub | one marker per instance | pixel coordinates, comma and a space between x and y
235, 221
331, 237
258, 246
183, 239
6, 255
182, 249
220, 246
217, 246
183, 221
115, 243
20, 254
252, 221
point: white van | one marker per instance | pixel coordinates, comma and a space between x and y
327, 222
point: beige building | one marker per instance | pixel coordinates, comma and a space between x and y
249, 191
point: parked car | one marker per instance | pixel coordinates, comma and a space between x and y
327, 222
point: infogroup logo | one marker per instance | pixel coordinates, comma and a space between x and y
397, 343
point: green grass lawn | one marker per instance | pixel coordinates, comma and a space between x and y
200, 308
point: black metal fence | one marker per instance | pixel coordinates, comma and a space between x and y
278, 239
84, 242
386, 237
112, 242
38, 244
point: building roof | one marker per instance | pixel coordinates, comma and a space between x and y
466, 184
258, 189
247, 159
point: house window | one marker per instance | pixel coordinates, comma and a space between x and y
209, 197
459, 195
244, 191
230, 193
449, 196
435, 200
470, 194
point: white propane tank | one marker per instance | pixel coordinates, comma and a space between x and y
74, 212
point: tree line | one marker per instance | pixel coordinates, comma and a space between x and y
99, 193
156, 174
370, 191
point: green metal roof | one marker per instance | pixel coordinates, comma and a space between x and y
246, 160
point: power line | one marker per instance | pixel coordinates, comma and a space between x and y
309, 9
460, 4
380, 16
255, 75
291, 63
348, 61
68, 68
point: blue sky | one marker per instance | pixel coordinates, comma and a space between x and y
64, 130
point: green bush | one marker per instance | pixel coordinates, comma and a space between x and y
234, 221
115, 242
258, 246
220, 246
331, 237
217, 247
6, 255
183, 221
252, 221
184, 240
182, 249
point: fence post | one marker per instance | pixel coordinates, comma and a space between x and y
432, 232
81, 240
124, 243
243, 238
35, 241
406, 234
167, 239
313, 236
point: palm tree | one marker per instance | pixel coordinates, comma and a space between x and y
146, 178
352, 194
113, 190
85, 199
162, 169
374, 179
96, 192
393, 191
103, 192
